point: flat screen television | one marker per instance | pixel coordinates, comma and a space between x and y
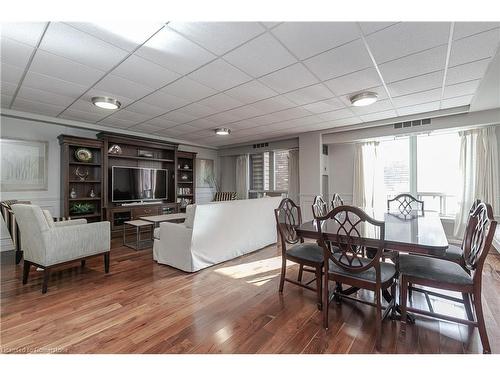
129, 184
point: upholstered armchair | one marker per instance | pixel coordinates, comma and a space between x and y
47, 243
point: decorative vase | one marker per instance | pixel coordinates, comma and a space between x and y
92, 193
72, 193
115, 150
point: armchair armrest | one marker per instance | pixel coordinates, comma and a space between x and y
65, 243
67, 223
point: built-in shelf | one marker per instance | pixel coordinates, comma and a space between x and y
85, 199
139, 158
184, 169
184, 195
86, 181
83, 163
83, 216
184, 182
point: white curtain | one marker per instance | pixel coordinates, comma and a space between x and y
242, 176
368, 182
478, 173
293, 175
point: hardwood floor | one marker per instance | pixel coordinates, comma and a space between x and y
143, 307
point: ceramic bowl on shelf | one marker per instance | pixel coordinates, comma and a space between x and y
83, 155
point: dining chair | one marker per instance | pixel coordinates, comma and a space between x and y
406, 203
347, 226
309, 256
465, 278
336, 201
319, 207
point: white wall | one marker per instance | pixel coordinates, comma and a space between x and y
341, 170
309, 171
50, 199
227, 173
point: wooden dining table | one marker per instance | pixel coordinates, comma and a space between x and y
415, 232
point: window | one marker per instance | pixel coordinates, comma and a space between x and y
426, 166
269, 171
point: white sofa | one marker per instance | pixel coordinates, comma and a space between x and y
216, 232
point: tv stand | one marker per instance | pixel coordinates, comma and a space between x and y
141, 203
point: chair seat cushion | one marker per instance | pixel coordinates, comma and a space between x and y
310, 252
387, 271
453, 253
433, 269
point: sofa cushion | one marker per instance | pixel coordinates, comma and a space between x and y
49, 218
190, 210
433, 269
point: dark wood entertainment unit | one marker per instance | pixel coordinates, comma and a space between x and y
94, 176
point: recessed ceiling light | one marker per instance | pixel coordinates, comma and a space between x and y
222, 131
363, 99
105, 102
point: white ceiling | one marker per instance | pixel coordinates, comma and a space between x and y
261, 80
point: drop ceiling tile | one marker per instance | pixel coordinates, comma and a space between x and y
161, 122
181, 130
146, 109
292, 113
146, 128
304, 121
124, 34
289, 79
144, 72
415, 84
115, 122
456, 102
379, 106
244, 124
188, 89
379, 116
275, 104
219, 75
7, 88
371, 27
117, 85
5, 100
475, 47
202, 124
46, 97
163, 100
417, 98
464, 29
461, 89
179, 116
62, 39
260, 56
324, 106
169, 49
414, 65
336, 115
419, 108
343, 60
306, 39
406, 38
24, 32
309, 94
127, 115
198, 110
251, 92
53, 85
73, 114
247, 111
221, 102
11, 73
36, 107
266, 119
67, 70
218, 37
224, 118
15, 53
467, 72
357, 81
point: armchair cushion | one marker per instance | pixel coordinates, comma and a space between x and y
433, 269
49, 218
67, 223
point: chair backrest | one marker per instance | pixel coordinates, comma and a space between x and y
478, 237
406, 203
288, 218
352, 231
10, 220
32, 224
221, 196
319, 207
336, 201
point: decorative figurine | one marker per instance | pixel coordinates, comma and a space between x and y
92, 193
72, 193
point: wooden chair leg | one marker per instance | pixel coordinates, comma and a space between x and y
83, 262
318, 287
106, 262
393, 293
46, 275
19, 256
283, 274
410, 294
403, 296
26, 271
301, 271
480, 323
378, 317
468, 306
325, 300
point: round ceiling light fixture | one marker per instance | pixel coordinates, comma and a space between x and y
105, 102
363, 99
222, 131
